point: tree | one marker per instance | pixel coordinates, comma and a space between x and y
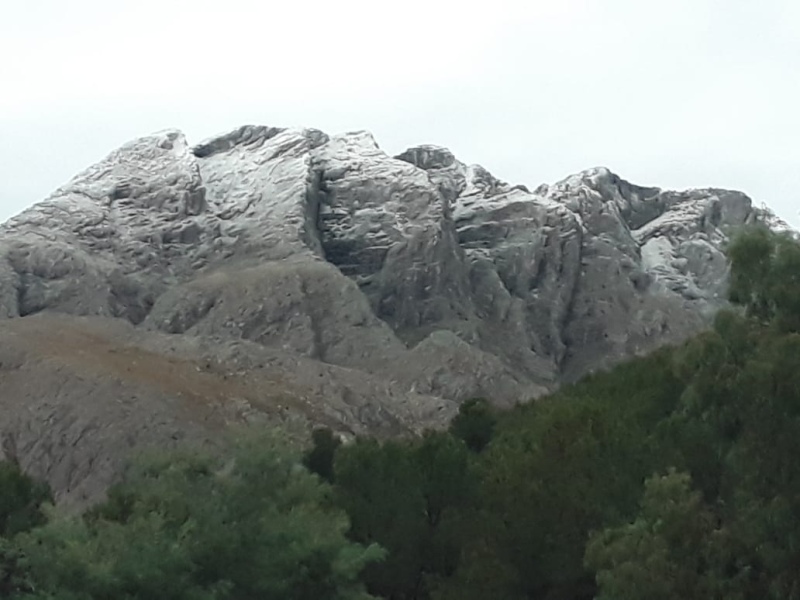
406, 496
665, 554
21, 509
21, 500
474, 423
319, 459
567, 464
249, 524
765, 277
15, 576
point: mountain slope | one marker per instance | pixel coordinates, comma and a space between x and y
380, 290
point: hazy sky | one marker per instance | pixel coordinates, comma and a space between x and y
680, 93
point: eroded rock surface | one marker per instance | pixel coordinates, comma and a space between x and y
374, 292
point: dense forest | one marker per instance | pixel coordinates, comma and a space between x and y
673, 476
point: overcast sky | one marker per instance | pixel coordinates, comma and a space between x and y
682, 93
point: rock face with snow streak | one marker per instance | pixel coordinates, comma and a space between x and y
416, 280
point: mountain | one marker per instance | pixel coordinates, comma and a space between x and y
290, 276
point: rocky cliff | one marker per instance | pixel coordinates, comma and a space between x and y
289, 275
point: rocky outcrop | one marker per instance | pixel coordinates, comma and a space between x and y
380, 290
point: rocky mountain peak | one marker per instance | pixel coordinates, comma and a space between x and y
369, 292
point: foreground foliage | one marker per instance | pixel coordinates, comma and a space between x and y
252, 524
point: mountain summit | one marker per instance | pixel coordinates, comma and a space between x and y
288, 275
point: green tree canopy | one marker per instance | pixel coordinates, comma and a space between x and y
21, 500
765, 276
21, 508
474, 423
250, 524
407, 497
319, 458
665, 554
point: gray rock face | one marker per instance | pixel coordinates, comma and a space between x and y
380, 290
80, 393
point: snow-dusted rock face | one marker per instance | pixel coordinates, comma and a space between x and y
429, 278
327, 247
